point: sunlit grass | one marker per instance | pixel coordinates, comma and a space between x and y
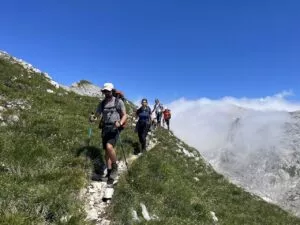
182, 190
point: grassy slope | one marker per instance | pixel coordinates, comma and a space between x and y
163, 180
42, 176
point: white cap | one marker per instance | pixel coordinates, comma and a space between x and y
108, 87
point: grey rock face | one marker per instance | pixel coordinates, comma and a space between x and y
265, 158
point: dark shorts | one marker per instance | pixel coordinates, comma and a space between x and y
110, 136
143, 129
158, 117
167, 121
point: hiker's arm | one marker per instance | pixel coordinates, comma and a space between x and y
123, 119
123, 113
137, 113
150, 113
154, 108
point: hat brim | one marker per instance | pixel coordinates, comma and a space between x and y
106, 89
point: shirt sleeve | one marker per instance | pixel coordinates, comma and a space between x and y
121, 106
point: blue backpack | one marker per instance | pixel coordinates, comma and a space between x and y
144, 114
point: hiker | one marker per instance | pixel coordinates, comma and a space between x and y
144, 122
153, 122
158, 108
167, 117
114, 116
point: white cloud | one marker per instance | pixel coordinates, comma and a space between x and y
204, 123
284, 94
245, 139
137, 102
249, 140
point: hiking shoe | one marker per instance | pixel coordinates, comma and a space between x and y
114, 171
96, 177
110, 181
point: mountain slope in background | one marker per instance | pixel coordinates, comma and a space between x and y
43, 127
82, 87
269, 165
255, 144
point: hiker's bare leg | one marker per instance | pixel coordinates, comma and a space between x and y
110, 151
108, 161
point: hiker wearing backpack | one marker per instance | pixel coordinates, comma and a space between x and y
114, 117
167, 117
144, 122
158, 108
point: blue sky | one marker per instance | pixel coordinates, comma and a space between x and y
166, 49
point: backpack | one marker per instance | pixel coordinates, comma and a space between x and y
118, 94
167, 114
145, 114
101, 123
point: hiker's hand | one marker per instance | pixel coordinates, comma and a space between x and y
92, 118
118, 124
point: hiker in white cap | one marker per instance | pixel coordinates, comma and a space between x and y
158, 109
114, 116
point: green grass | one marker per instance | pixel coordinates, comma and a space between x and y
41, 175
163, 180
42, 170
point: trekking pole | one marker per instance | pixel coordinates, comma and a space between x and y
89, 135
90, 128
120, 140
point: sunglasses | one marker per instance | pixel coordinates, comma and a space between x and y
105, 91
144, 102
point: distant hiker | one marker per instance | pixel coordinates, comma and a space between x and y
153, 122
144, 122
114, 116
158, 108
167, 117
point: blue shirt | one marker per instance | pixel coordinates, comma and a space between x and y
144, 113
